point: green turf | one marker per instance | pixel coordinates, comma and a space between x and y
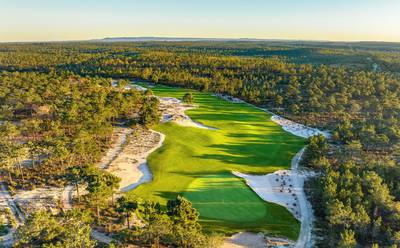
197, 164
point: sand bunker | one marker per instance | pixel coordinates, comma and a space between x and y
253, 240
298, 129
286, 188
174, 110
277, 187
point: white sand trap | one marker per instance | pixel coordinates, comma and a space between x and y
125, 160
298, 129
174, 110
286, 188
277, 187
131, 165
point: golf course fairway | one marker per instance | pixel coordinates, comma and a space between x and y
197, 164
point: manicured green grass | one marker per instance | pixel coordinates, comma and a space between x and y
197, 164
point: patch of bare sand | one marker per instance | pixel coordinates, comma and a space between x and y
245, 239
31, 201
119, 139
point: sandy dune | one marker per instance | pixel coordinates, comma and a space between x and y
119, 139
130, 165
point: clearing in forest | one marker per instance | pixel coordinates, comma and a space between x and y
198, 164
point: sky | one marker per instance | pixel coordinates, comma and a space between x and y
336, 20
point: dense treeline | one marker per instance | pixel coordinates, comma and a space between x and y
357, 196
53, 122
177, 226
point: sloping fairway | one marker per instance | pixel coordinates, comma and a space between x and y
197, 164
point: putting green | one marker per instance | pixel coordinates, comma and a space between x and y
197, 164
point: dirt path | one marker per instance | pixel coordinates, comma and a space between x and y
307, 217
7, 201
5, 196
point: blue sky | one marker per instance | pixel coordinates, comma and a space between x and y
35, 20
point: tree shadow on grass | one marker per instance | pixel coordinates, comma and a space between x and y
227, 205
253, 154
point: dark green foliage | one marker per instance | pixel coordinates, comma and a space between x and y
176, 227
186, 229
61, 121
188, 98
45, 230
353, 199
127, 207
76, 175
101, 186
149, 113
316, 150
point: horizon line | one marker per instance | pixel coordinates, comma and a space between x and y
177, 38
